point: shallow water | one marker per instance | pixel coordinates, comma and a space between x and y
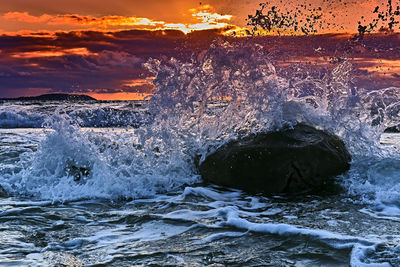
115, 183
193, 224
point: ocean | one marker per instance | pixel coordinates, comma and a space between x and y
115, 184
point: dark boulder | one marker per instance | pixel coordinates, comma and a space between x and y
78, 172
292, 160
3, 192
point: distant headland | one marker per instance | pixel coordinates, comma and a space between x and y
52, 97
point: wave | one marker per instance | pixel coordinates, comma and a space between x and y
227, 91
34, 115
12, 119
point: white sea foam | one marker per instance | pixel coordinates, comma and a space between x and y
189, 115
361, 248
35, 114
213, 237
232, 215
117, 168
360, 253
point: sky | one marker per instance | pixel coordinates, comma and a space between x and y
99, 47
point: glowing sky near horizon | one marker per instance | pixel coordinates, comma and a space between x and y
89, 47
67, 15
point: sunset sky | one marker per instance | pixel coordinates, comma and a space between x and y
99, 47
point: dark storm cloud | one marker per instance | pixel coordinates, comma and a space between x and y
83, 61
111, 62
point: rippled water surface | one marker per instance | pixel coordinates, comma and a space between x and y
193, 225
115, 183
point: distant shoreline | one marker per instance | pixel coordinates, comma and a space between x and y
52, 97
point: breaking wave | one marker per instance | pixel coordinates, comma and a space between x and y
227, 91
103, 114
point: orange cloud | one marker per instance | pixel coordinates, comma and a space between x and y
104, 22
82, 20
25, 17
209, 20
139, 82
380, 67
204, 13
82, 51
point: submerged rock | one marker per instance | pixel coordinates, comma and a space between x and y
3, 192
292, 160
78, 172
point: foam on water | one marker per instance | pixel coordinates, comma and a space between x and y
120, 165
202, 218
229, 90
94, 114
246, 215
262, 97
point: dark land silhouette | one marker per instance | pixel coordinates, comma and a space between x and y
52, 97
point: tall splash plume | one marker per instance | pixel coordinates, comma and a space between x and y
233, 89
303, 18
226, 91
386, 20
306, 19
236, 88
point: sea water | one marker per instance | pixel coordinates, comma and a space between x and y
77, 224
142, 201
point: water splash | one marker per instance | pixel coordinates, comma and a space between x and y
120, 164
227, 91
106, 114
234, 89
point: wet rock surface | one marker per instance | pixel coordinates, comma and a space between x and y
293, 160
78, 172
3, 192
